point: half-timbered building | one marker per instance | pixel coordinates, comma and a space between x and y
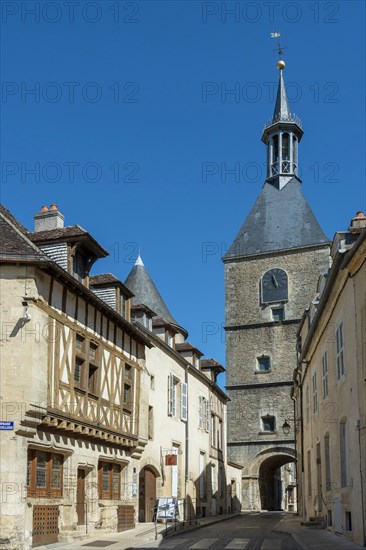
71, 370
106, 406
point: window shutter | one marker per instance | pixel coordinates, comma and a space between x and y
170, 394
207, 415
184, 401
200, 415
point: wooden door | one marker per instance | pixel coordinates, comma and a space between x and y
45, 525
80, 497
150, 494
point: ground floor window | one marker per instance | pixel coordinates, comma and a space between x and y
44, 474
109, 480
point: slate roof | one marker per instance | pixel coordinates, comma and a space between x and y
104, 279
12, 219
64, 233
145, 292
279, 220
12, 240
212, 364
143, 307
187, 346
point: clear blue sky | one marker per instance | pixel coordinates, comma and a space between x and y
135, 92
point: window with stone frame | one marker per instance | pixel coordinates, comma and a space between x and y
268, 423
109, 480
44, 474
263, 363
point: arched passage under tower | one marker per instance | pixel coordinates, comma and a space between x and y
269, 482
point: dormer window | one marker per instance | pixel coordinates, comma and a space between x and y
170, 339
123, 306
196, 362
79, 267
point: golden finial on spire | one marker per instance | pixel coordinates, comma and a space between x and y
280, 65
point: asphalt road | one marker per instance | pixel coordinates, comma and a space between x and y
249, 532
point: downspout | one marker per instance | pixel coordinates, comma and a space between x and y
186, 480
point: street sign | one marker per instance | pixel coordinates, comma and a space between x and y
6, 425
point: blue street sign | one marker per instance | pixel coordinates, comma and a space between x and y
6, 425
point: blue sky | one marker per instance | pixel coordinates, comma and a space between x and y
132, 130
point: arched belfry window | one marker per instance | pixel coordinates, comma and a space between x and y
275, 148
274, 286
285, 146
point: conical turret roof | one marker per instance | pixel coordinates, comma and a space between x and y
145, 292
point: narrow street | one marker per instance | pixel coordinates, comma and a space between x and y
255, 531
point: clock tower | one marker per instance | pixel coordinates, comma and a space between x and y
271, 274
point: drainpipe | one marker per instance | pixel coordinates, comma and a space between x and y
186, 449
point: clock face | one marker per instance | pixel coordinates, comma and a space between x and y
274, 286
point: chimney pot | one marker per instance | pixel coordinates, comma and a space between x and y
360, 214
44, 209
53, 207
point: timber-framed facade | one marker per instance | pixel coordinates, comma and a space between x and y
71, 381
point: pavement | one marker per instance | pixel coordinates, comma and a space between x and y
308, 538
311, 538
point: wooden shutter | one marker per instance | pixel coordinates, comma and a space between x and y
184, 401
207, 415
170, 394
200, 412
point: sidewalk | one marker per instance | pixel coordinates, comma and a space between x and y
313, 539
143, 533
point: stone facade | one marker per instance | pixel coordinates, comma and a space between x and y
250, 334
330, 390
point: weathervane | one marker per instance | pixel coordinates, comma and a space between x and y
281, 64
279, 48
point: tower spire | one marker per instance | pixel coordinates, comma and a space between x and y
282, 108
282, 136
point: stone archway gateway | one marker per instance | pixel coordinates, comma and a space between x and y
147, 493
267, 484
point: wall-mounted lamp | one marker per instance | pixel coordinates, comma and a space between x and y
286, 427
26, 314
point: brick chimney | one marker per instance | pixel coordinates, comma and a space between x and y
358, 223
48, 218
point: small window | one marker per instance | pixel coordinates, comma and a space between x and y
78, 367
268, 423
79, 343
170, 340
151, 423
263, 363
152, 382
348, 521
127, 395
330, 519
278, 314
